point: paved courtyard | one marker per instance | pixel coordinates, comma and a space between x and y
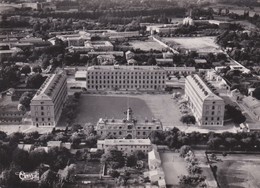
93, 107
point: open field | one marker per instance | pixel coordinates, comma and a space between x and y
93, 107
173, 166
238, 171
200, 44
146, 45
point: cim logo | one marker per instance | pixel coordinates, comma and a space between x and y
29, 176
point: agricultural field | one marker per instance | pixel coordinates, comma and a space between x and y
238, 171
146, 45
199, 44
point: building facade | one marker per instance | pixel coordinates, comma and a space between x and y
127, 128
207, 107
125, 78
127, 146
47, 104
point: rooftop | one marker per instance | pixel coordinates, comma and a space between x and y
48, 87
131, 68
125, 141
204, 89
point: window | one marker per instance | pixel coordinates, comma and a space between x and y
212, 118
213, 107
42, 119
36, 119
144, 133
42, 108
212, 113
42, 113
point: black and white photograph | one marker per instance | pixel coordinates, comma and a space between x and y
130, 94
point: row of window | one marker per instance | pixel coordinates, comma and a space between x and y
125, 81
120, 133
43, 119
42, 107
42, 114
123, 73
213, 113
213, 107
212, 118
108, 127
125, 77
211, 123
123, 87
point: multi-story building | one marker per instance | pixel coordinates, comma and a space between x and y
47, 104
100, 45
126, 78
127, 146
127, 128
207, 107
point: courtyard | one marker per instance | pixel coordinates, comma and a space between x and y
161, 106
173, 167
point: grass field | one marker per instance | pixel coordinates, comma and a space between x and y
200, 44
93, 107
238, 171
173, 166
146, 45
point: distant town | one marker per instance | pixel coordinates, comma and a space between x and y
141, 93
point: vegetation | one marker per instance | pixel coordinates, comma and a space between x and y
226, 141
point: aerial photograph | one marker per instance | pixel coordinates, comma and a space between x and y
130, 94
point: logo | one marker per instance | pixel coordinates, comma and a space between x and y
29, 176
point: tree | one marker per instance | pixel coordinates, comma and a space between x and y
75, 139
26, 69
151, 61
184, 150
20, 158
188, 119
230, 142
76, 127
214, 143
25, 99
35, 81
36, 157
9, 179
77, 95
131, 161
3, 135
256, 93
194, 169
125, 177
21, 108
140, 155
48, 179
37, 69
235, 114
68, 174
45, 63
114, 173
113, 158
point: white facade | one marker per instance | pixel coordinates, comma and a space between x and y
126, 78
127, 128
47, 104
207, 107
127, 146
100, 45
